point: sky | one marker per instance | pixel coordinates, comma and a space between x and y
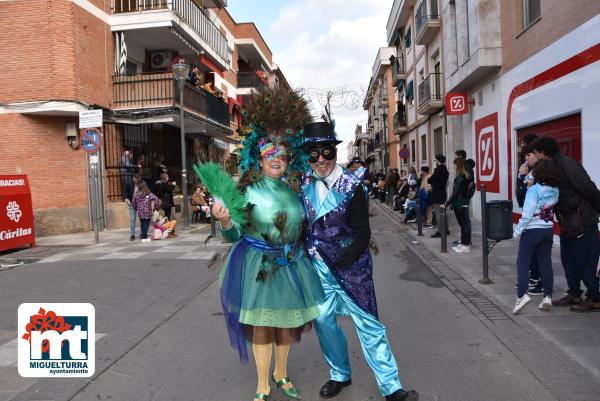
322, 45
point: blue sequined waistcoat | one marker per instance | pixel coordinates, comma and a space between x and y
328, 227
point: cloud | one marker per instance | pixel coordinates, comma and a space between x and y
324, 44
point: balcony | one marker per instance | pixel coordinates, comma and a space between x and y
250, 79
398, 73
427, 22
159, 91
400, 124
430, 94
148, 23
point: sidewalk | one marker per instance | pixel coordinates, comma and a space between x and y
577, 334
114, 244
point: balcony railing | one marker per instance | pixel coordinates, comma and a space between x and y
398, 70
188, 11
424, 15
160, 90
249, 79
430, 89
400, 120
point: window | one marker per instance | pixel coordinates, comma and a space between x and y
423, 148
407, 39
413, 150
531, 11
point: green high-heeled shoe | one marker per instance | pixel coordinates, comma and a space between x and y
261, 396
289, 392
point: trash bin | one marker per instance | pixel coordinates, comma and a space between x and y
498, 215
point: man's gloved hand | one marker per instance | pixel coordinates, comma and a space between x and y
345, 257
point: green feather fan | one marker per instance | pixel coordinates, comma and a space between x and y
223, 187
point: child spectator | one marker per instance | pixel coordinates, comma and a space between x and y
535, 232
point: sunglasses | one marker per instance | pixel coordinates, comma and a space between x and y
328, 153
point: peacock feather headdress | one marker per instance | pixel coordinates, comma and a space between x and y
279, 115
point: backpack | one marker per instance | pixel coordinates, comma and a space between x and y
471, 189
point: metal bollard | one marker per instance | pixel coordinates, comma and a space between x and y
419, 221
484, 239
442, 229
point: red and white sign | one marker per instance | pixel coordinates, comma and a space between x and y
16, 212
457, 103
486, 153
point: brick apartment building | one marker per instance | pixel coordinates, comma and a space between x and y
66, 56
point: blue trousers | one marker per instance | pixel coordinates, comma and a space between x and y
371, 334
579, 258
535, 244
132, 217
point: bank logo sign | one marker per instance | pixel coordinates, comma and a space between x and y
56, 340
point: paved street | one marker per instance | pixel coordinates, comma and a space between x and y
162, 335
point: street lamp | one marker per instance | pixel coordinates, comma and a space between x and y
180, 73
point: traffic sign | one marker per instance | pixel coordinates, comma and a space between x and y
90, 119
91, 140
457, 103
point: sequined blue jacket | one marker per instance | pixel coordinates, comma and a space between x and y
330, 228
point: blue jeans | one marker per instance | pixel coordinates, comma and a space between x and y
411, 210
535, 243
579, 257
144, 225
468, 225
132, 217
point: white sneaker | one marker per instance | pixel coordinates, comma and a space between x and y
146, 240
546, 303
520, 303
462, 249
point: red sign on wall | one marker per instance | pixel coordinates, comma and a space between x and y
16, 212
457, 103
486, 153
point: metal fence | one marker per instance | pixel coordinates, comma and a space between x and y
423, 15
249, 79
188, 11
160, 90
429, 89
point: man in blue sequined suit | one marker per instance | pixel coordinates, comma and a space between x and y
337, 239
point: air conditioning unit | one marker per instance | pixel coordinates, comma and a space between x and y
160, 60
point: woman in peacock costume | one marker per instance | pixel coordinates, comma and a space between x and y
269, 288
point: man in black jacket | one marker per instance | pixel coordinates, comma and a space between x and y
438, 181
577, 210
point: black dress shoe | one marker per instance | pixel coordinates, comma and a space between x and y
333, 388
401, 395
436, 235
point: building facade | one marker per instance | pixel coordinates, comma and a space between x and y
527, 66
118, 56
414, 31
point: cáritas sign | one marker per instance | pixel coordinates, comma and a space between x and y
16, 213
